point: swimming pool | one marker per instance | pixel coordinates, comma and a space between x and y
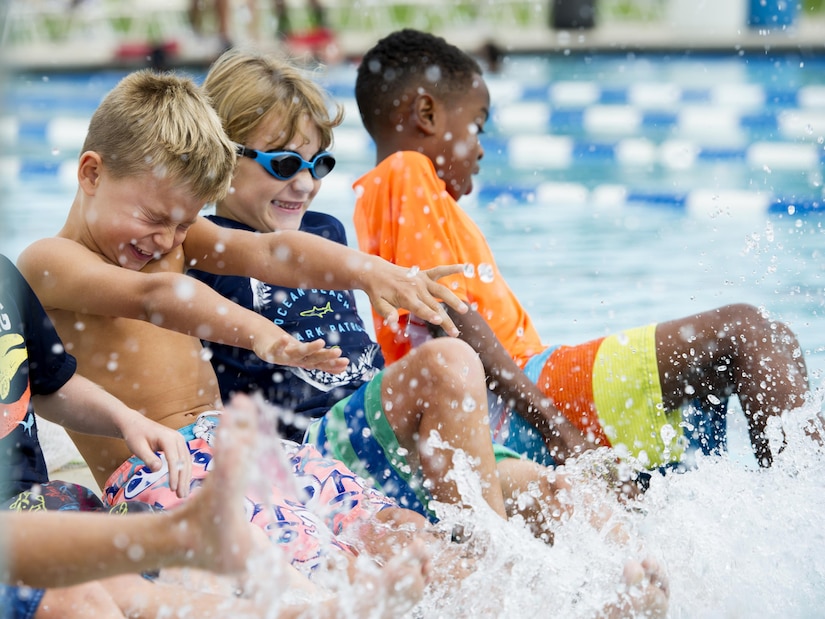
615, 191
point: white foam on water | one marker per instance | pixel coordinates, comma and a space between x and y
735, 541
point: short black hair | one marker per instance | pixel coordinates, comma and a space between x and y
402, 61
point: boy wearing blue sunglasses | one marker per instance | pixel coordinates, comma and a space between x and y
283, 159
376, 419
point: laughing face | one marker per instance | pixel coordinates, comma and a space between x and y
135, 220
260, 200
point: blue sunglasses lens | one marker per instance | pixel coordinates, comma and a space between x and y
284, 165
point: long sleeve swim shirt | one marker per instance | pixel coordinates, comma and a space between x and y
404, 214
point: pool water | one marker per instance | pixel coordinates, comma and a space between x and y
615, 191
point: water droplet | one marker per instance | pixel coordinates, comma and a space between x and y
668, 433
185, 288
136, 552
486, 273
433, 73
469, 404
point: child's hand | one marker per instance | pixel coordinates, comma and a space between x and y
146, 437
391, 288
563, 439
284, 349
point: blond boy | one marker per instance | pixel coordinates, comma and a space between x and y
113, 282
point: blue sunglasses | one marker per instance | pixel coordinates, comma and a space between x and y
284, 164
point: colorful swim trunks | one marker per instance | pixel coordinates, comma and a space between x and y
356, 432
609, 387
54, 495
316, 500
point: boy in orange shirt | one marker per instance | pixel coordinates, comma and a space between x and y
425, 102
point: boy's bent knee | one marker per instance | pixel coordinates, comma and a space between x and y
448, 353
742, 313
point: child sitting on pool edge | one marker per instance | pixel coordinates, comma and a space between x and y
425, 104
375, 419
112, 282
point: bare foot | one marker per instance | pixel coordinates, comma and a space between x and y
221, 536
646, 592
398, 586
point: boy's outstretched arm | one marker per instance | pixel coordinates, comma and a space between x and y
82, 406
67, 276
507, 380
301, 260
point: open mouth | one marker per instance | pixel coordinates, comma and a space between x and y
143, 255
287, 206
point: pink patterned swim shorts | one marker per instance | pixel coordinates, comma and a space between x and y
304, 517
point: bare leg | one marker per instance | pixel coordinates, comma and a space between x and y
316, 10
536, 494
140, 598
733, 350
284, 27
531, 491
222, 10
86, 600
440, 387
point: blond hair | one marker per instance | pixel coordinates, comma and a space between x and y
247, 86
163, 124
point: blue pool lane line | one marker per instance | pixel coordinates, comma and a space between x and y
534, 151
661, 95
81, 96
537, 152
656, 94
630, 120
536, 127
696, 201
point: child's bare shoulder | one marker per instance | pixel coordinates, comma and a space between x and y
65, 274
41, 257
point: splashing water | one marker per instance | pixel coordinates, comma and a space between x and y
735, 540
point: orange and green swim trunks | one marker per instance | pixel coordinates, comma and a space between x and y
609, 388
